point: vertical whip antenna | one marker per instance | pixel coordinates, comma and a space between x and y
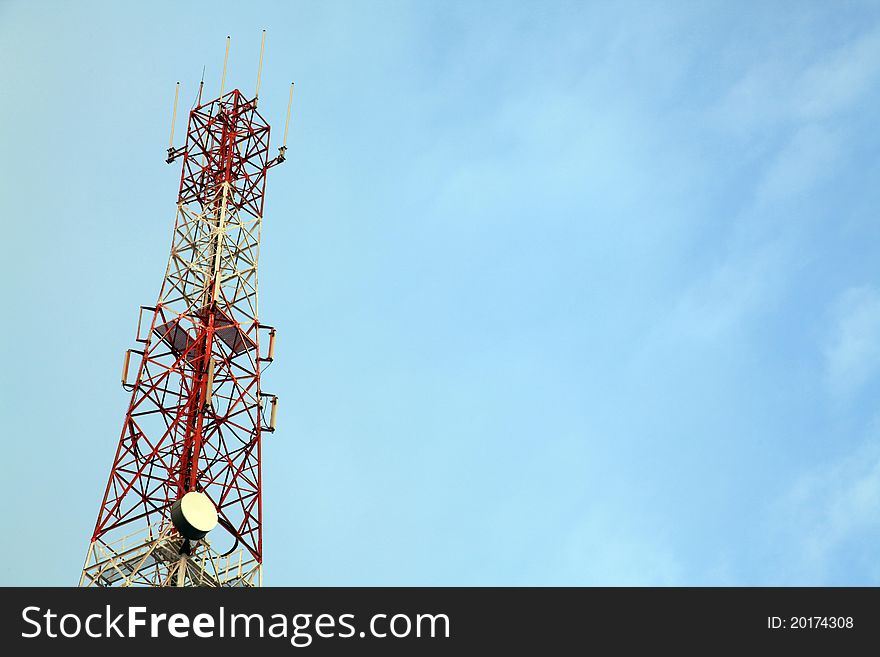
225, 59
201, 86
278, 159
260, 67
174, 114
287, 122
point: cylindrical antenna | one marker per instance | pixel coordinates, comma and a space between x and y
273, 416
271, 354
260, 67
174, 114
125, 362
225, 58
287, 122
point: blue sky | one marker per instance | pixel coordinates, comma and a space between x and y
567, 293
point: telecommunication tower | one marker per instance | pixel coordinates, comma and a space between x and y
183, 504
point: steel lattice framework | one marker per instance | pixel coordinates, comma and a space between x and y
197, 411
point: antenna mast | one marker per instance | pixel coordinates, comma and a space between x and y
183, 503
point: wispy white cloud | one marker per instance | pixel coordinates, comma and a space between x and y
852, 353
832, 516
809, 157
788, 108
725, 299
803, 88
730, 293
839, 80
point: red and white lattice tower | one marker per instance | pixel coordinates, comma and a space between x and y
183, 505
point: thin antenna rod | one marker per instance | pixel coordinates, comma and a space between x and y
174, 114
260, 67
201, 86
225, 58
287, 122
